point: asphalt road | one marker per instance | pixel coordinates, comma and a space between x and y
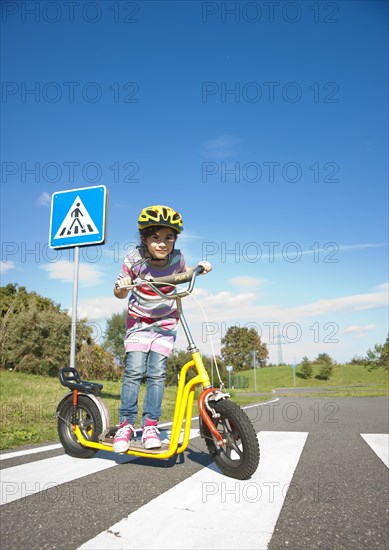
336, 499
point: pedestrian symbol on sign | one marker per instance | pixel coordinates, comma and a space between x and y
72, 226
76, 212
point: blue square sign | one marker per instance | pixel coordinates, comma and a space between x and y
78, 217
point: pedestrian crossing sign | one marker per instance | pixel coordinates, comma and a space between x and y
78, 217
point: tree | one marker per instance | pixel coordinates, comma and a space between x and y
15, 298
239, 343
324, 358
35, 333
325, 371
35, 337
326, 366
179, 358
94, 361
175, 362
114, 335
378, 356
384, 355
306, 369
358, 360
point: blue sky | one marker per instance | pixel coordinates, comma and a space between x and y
266, 130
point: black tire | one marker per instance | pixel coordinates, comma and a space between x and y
89, 421
239, 458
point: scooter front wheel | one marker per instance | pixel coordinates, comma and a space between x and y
88, 419
239, 457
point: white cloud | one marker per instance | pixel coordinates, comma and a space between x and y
359, 331
355, 302
222, 147
230, 307
359, 246
224, 309
97, 309
186, 236
44, 199
6, 266
248, 282
63, 271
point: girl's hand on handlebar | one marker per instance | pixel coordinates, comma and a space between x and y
125, 282
206, 266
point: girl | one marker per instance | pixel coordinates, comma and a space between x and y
151, 322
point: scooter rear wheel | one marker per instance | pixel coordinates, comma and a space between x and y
89, 421
239, 458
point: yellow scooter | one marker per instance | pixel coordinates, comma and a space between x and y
84, 423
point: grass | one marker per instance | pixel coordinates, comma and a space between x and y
28, 402
355, 377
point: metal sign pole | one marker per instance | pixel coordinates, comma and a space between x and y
74, 307
78, 218
255, 370
294, 372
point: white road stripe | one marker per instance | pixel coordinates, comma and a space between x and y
6, 456
380, 445
206, 510
35, 477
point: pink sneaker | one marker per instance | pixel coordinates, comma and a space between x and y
150, 438
121, 442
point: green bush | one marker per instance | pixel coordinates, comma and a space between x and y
306, 369
325, 371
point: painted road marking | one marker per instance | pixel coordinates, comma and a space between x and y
35, 477
6, 456
28, 479
380, 445
207, 504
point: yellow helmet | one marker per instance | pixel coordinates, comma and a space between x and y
161, 216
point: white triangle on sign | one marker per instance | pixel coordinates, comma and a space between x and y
77, 222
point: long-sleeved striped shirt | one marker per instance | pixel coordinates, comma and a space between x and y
151, 321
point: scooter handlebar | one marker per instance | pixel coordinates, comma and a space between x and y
178, 278
188, 276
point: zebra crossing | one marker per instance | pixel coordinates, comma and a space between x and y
209, 501
198, 510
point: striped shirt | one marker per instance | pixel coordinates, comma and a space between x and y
151, 320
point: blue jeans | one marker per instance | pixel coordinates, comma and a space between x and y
137, 364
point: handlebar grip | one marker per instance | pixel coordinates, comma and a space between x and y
178, 278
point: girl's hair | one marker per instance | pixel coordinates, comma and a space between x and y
148, 231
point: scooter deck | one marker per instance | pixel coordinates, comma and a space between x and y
108, 435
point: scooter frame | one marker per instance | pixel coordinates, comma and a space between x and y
182, 419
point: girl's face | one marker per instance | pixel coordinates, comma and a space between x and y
161, 243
